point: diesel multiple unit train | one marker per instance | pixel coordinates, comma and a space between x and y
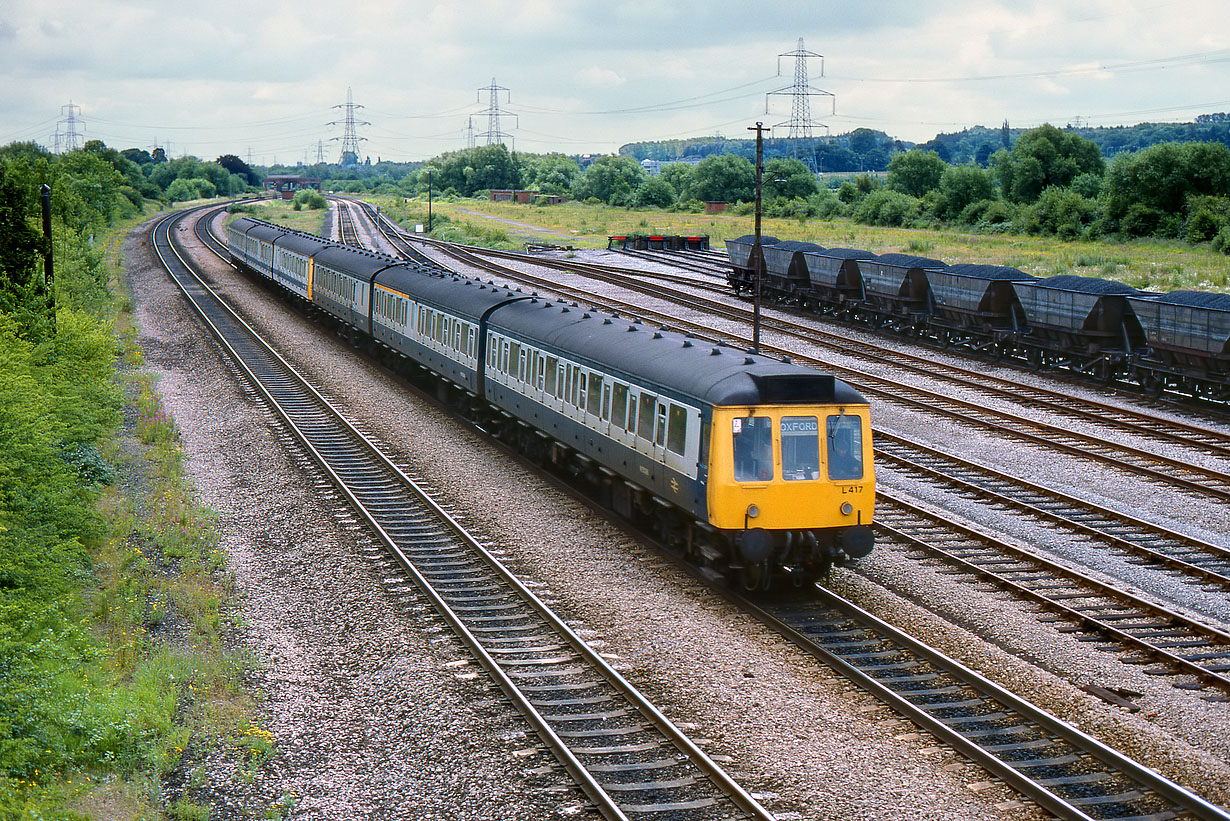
1178, 341
757, 469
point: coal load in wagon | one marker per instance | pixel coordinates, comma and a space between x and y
834, 273
1187, 327
785, 269
978, 296
897, 283
1081, 315
740, 250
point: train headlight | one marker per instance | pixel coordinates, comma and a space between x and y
846, 508
753, 511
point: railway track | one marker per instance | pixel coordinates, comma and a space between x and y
346, 223
619, 750
1179, 470
1157, 635
1065, 771
1195, 560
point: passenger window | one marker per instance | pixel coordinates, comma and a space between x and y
594, 395
619, 411
551, 374
645, 427
677, 430
845, 447
561, 383
659, 437
800, 448
606, 403
753, 448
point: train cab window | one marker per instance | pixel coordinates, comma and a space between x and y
753, 448
619, 406
677, 430
644, 429
593, 399
844, 446
800, 448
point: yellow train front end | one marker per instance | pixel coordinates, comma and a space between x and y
793, 488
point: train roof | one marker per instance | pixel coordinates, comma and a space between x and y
1088, 285
361, 263
705, 371
908, 261
306, 244
469, 298
261, 230
989, 272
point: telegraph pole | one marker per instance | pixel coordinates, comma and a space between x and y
757, 252
428, 200
49, 277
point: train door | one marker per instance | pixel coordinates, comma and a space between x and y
604, 426
646, 421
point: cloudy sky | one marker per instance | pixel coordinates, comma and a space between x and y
261, 79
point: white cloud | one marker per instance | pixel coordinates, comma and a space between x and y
600, 77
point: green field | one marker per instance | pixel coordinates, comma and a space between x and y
1145, 263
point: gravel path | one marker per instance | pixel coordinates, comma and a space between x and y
366, 695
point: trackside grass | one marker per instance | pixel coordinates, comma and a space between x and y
116, 679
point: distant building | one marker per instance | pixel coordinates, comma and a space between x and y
715, 207
524, 197
654, 167
288, 184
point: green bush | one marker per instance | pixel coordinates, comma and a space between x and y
310, 198
1221, 242
887, 207
1059, 211
989, 215
1206, 216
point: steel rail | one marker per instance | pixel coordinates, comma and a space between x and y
933, 683
1053, 584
